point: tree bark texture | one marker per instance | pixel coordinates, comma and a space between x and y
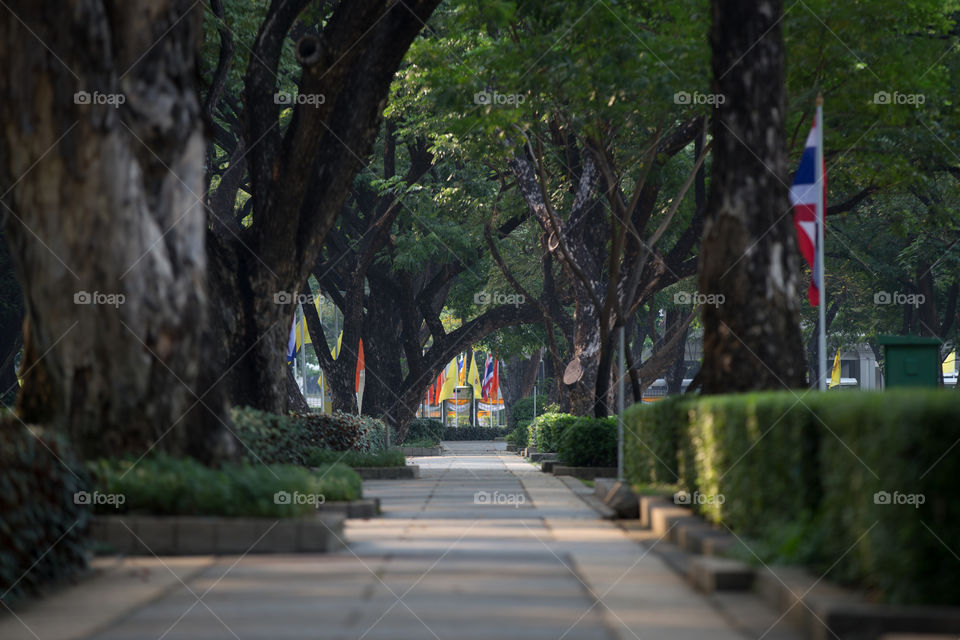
102, 150
748, 256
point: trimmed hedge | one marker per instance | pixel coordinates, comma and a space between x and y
474, 433
859, 483
519, 436
287, 439
589, 442
392, 458
41, 525
163, 485
422, 429
545, 431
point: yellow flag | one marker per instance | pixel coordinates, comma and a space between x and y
449, 381
950, 364
835, 375
473, 378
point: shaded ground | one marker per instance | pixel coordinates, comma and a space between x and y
524, 558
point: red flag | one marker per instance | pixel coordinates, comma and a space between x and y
361, 365
804, 197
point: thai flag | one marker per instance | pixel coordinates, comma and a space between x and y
487, 377
803, 195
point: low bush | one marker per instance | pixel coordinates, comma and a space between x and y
545, 430
41, 524
422, 443
474, 433
522, 409
392, 458
163, 485
589, 442
270, 438
519, 436
424, 429
858, 483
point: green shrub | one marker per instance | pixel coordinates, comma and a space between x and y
269, 438
373, 432
805, 477
650, 441
519, 436
474, 433
424, 429
164, 485
422, 443
589, 442
41, 524
522, 409
392, 458
545, 431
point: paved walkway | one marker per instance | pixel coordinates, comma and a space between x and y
482, 546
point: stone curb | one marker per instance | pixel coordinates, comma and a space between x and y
363, 508
826, 611
823, 611
618, 496
407, 472
206, 535
420, 452
541, 457
719, 574
586, 473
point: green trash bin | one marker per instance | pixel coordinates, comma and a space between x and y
911, 361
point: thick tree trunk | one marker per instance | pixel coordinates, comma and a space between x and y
675, 374
11, 321
104, 151
751, 335
299, 177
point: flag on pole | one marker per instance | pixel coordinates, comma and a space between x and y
292, 342
449, 381
487, 378
808, 207
473, 378
461, 370
949, 365
835, 374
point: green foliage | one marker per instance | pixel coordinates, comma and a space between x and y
391, 458
589, 442
424, 429
164, 485
41, 526
474, 433
649, 441
271, 438
523, 408
546, 430
422, 443
816, 479
520, 436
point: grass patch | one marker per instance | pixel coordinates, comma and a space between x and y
426, 443
355, 459
163, 485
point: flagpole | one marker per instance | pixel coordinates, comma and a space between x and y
821, 220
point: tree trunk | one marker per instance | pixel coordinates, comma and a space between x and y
11, 321
748, 259
299, 177
678, 369
104, 150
